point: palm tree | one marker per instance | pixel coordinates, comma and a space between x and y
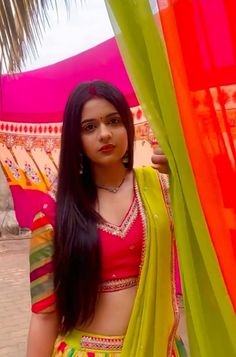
22, 23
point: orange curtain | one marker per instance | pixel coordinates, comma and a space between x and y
200, 37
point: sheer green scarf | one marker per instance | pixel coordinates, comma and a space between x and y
152, 326
210, 316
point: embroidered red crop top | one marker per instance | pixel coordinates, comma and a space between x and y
121, 249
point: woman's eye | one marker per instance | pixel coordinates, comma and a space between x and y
115, 121
88, 128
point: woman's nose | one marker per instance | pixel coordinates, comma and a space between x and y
105, 133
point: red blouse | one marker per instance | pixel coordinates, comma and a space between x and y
121, 249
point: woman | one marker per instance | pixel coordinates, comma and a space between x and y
101, 271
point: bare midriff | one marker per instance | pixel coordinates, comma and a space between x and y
112, 313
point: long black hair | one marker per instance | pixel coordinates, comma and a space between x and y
77, 253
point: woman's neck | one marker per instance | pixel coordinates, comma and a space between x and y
109, 176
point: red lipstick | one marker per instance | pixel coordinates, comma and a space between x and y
107, 147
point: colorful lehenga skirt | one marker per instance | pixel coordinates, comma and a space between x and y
83, 344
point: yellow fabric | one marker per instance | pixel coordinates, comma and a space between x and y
151, 329
71, 345
210, 315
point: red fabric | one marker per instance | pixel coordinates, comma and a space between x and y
44, 304
40, 222
121, 257
62, 347
200, 38
207, 37
27, 203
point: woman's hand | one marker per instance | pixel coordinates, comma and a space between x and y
160, 161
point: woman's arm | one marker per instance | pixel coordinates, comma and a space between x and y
44, 324
43, 332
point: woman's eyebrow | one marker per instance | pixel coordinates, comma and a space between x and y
86, 120
92, 119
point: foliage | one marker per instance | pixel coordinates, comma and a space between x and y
22, 23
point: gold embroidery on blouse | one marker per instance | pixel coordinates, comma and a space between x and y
122, 230
118, 284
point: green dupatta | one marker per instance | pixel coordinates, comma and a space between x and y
152, 325
210, 316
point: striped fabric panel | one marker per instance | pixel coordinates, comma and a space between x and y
40, 288
41, 267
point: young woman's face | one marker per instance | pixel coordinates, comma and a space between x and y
104, 137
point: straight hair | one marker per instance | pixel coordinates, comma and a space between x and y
77, 264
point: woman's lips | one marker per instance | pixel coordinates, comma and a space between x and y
107, 148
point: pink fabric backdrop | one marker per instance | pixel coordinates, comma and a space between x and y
33, 96
40, 96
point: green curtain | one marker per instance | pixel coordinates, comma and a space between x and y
210, 317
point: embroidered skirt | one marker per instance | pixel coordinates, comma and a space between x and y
83, 344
